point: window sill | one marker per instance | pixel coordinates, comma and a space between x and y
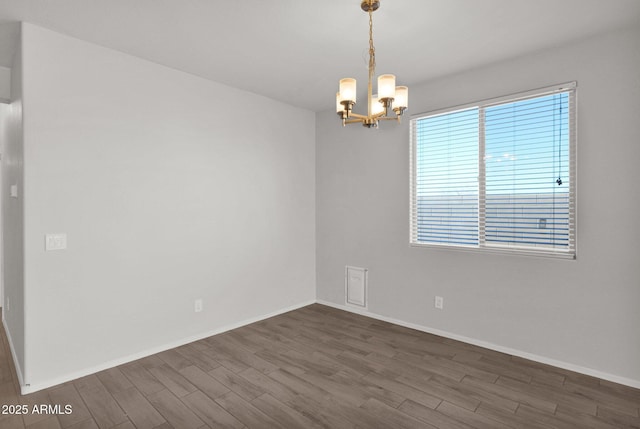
501, 250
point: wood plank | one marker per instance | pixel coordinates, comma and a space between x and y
512, 395
172, 380
197, 357
139, 410
238, 337
404, 390
282, 413
583, 421
237, 358
399, 367
105, 410
549, 419
431, 416
236, 383
12, 421
8, 394
51, 422
391, 417
616, 418
478, 421
503, 368
33, 399
68, 395
508, 418
174, 411
251, 416
313, 362
297, 384
142, 379
268, 384
348, 395
114, 380
479, 393
314, 343
564, 399
623, 405
359, 365
210, 412
149, 362
460, 368
89, 424
281, 361
129, 425
327, 413
444, 392
371, 390
616, 390
175, 360
204, 382
225, 357
431, 366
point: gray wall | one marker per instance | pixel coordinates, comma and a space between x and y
170, 188
5, 84
581, 314
13, 216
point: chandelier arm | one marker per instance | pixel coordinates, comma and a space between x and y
357, 115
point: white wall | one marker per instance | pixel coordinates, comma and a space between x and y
13, 216
582, 314
170, 188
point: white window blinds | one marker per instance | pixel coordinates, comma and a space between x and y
497, 175
447, 178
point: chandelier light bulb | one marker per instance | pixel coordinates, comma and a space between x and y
348, 90
386, 86
401, 100
376, 105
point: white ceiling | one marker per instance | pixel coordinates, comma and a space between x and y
297, 50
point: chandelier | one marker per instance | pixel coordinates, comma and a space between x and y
389, 97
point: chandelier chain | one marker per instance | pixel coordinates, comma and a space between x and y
372, 49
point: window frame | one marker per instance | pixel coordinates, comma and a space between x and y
571, 251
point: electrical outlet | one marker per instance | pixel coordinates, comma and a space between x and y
198, 305
55, 241
439, 302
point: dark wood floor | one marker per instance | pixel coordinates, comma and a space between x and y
320, 367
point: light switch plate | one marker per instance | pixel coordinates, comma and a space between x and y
55, 241
14, 191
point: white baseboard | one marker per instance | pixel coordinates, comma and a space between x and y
30, 388
13, 352
536, 358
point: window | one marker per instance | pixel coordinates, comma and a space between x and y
497, 175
